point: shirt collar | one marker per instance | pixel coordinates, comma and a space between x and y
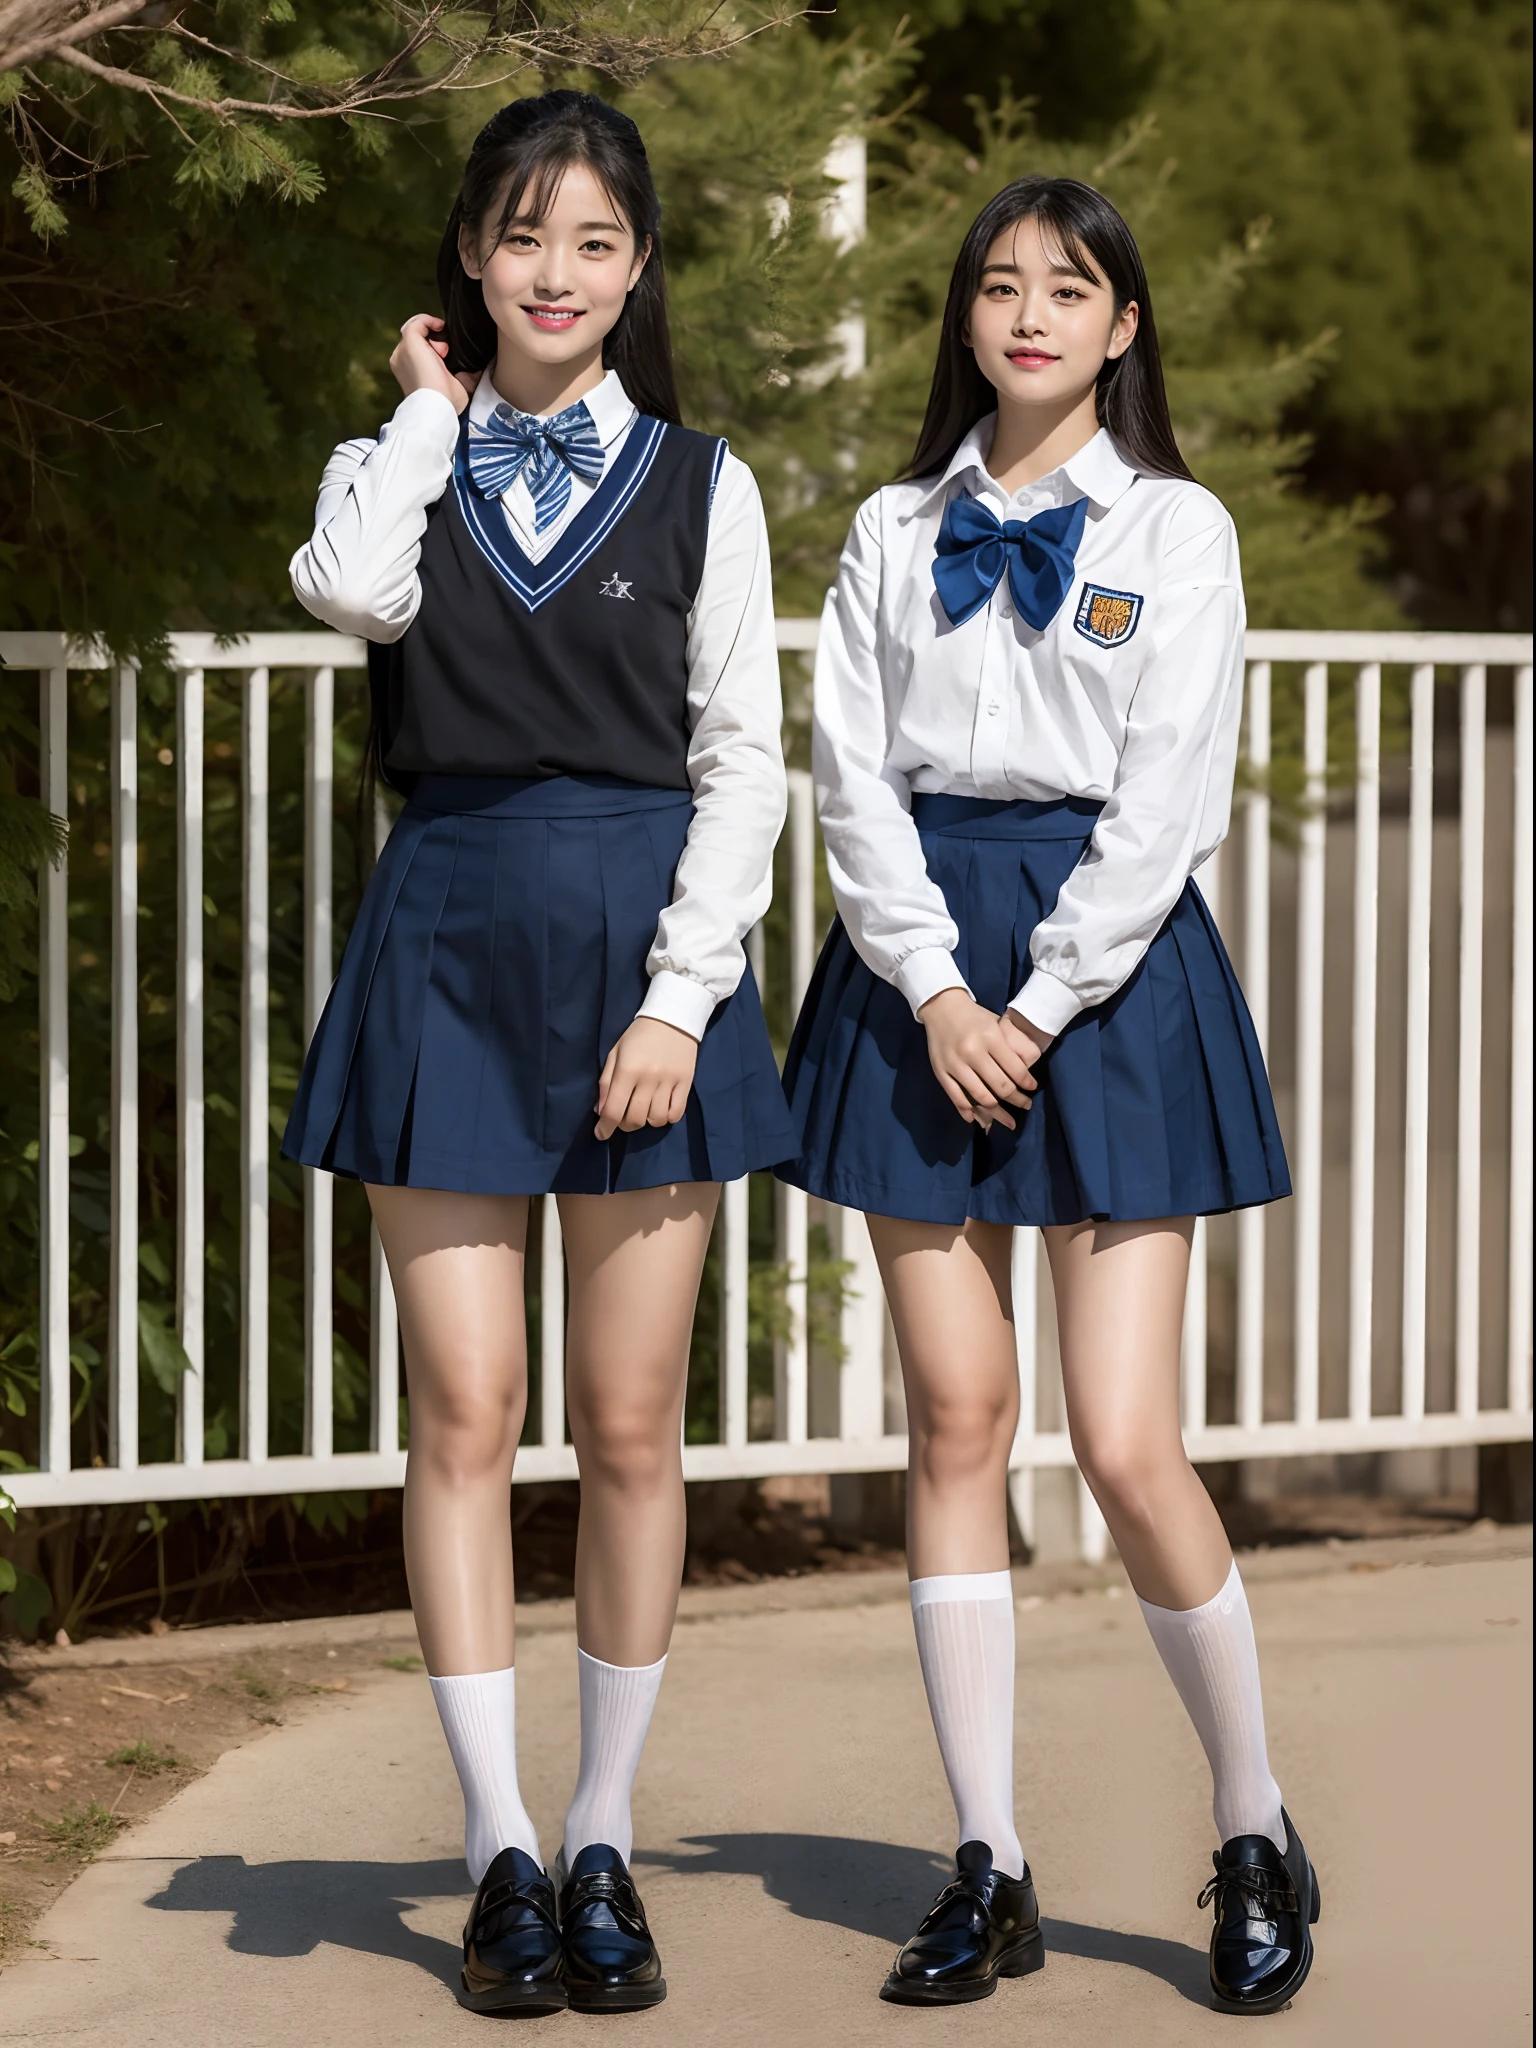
1098, 471
609, 403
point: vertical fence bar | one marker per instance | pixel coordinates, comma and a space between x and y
1518, 1367
735, 1208
1362, 1119
792, 1373
1195, 1338
319, 1188
1025, 1275
1250, 1222
384, 1315
123, 1304
1469, 1052
1311, 921
255, 1141
53, 1077
861, 1376
383, 1351
191, 1247
1421, 851
551, 1326
1092, 1529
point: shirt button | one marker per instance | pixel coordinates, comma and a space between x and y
1005, 610
993, 710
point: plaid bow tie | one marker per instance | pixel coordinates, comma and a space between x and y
545, 453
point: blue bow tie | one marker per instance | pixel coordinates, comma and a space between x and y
546, 453
975, 546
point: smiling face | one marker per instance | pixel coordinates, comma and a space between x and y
1042, 323
555, 287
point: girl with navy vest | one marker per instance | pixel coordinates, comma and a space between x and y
1027, 699
575, 686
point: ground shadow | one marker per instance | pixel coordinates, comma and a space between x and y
882, 1889
289, 1909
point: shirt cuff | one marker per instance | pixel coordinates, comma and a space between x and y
926, 974
678, 1000
430, 414
1047, 1003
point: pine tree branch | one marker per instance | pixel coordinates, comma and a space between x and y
42, 38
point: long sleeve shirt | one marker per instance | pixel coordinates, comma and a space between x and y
1129, 698
358, 572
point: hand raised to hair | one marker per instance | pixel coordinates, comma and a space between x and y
420, 362
980, 1060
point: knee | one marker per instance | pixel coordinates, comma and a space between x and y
963, 1434
468, 1432
1124, 1472
625, 1444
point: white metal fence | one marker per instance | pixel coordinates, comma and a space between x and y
1277, 1396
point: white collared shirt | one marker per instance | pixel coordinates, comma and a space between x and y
1130, 697
358, 572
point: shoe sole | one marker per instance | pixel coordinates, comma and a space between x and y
1277, 2000
1023, 1961
621, 1998
529, 2001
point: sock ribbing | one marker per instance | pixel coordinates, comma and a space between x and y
1210, 1655
479, 1716
617, 1701
964, 1627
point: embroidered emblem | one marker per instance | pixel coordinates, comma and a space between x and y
617, 587
1107, 616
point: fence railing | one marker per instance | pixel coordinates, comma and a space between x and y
1257, 1329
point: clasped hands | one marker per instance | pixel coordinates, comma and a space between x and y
982, 1061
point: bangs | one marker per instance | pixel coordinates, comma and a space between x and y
531, 189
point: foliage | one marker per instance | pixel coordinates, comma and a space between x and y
84, 1831
146, 1758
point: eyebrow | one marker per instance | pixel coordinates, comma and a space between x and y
1056, 270
528, 220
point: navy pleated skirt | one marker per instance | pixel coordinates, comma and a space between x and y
1154, 1103
498, 954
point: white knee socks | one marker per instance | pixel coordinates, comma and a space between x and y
479, 1717
964, 1625
1211, 1658
616, 1704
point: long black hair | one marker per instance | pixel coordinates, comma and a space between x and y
514, 169
1129, 398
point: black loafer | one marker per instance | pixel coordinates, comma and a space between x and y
511, 1941
1266, 1907
982, 1926
611, 1964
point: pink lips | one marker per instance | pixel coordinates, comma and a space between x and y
552, 319
1032, 358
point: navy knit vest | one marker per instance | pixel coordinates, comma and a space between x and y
575, 665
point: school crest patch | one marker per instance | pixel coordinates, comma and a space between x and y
1107, 616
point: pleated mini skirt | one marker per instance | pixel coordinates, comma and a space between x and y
1154, 1103
498, 954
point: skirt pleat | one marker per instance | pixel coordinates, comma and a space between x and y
1154, 1103
498, 955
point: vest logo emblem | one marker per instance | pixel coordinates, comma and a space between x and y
1107, 616
615, 586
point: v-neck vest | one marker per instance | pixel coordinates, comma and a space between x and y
574, 665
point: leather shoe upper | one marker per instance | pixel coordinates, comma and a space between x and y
603, 1925
511, 1934
976, 1918
1264, 1900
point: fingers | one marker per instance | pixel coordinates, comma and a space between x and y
631, 1102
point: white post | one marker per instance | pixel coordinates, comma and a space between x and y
1025, 1276
1362, 1128
191, 1128
255, 1092
319, 1188
1469, 1056
1421, 845
1311, 919
792, 1353
551, 1326
846, 223
1518, 1368
1194, 1343
734, 1213
123, 1299
383, 1351
53, 1077
1092, 1530
861, 1377
1250, 1223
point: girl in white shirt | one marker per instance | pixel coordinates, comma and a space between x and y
575, 685
1027, 697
